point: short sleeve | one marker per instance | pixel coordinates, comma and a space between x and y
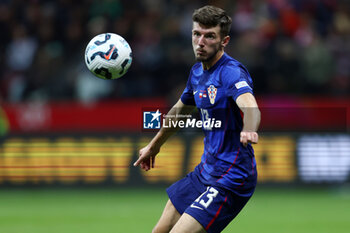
187, 96
237, 81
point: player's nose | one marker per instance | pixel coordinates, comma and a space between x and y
201, 41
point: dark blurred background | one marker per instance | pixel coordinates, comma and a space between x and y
290, 47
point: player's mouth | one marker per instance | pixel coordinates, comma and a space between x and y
200, 52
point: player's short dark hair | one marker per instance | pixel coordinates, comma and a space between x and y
212, 16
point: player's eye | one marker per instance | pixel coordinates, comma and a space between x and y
196, 34
210, 36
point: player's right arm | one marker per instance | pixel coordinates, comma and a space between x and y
148, 153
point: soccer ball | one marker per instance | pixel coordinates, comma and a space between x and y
108, 56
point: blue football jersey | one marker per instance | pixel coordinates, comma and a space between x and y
225, 161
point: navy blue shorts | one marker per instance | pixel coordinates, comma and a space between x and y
213, 207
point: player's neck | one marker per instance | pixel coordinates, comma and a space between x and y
208, 64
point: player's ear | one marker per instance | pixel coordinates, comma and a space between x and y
225, 41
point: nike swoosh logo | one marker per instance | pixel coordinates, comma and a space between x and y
110, 53
194, 92
193, 206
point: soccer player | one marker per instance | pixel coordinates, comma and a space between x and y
210, 197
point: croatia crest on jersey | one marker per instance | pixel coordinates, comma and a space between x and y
212, 93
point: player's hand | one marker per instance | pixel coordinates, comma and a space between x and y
249, 137
147, 156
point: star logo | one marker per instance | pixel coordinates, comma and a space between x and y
156, 115
151, 120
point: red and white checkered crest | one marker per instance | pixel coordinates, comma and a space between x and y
212, 93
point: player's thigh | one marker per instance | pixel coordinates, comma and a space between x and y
215, 208
187, 224
168, 219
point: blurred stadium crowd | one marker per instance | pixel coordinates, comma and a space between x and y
289, 46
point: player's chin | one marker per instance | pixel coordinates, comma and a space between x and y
201, 58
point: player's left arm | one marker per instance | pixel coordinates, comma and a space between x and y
251, 118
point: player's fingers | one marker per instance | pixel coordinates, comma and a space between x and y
249, 137
252, 137
150, 163
146, 166
243, 139
141, 158
255, 138
137, 162
244, 142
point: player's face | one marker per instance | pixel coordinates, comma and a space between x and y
207, 42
